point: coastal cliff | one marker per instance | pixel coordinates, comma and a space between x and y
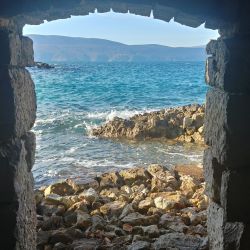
138, 208
184, 124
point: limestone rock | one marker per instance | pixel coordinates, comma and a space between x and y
84, 220
138, 219
134, 176
61, 188
113, 208
170, 200
178, 123
110, 180
80, 184
89, 195
139, 245
177, 241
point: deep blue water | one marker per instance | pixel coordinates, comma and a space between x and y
72, 98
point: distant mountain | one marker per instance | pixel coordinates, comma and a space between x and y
72, 49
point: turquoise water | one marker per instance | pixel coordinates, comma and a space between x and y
73, 98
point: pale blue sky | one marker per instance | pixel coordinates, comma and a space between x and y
125, 28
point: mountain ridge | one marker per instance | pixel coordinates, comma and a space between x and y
55, 48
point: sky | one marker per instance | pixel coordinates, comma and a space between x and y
126, 28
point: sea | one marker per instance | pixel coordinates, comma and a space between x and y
72, 98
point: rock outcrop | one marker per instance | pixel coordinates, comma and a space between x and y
128, 214
184, 124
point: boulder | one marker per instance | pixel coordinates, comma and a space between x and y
135, 176
90, 195
177, 241
84, 220
61, 188
137, 219
139, 245
80, 184
170, 200
113, 208
110, 180
86, 244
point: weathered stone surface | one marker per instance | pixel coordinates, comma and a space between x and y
60, 188
18, 102
178, 241
109, 180
80, 184
180, 123
213, 173
235, 195
15, 49
226, 114
169, 200
223, 68
139, 245
223, 235
114, 208
17, 183
138, 219
134, 176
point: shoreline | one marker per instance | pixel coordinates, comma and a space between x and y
180, 124
137, 208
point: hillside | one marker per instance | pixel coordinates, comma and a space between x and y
71, 49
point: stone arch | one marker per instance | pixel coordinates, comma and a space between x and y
227, 116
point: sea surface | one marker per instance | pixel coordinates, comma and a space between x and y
73, 98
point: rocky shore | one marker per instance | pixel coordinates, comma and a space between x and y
184, 124
138, 208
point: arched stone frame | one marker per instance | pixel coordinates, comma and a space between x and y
227, 157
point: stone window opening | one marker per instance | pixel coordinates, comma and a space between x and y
225, 160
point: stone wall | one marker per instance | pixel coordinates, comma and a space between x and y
227, 116
17, 144
227, 159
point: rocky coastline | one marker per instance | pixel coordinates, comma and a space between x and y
138, 208
182, 124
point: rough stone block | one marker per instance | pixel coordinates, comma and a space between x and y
17, 102
235, 195
30, 146
227, 128
228, 67
17, 183
213, 173
15, 50
222, 235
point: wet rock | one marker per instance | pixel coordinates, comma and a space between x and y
177, 241
139, 245
61, 188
